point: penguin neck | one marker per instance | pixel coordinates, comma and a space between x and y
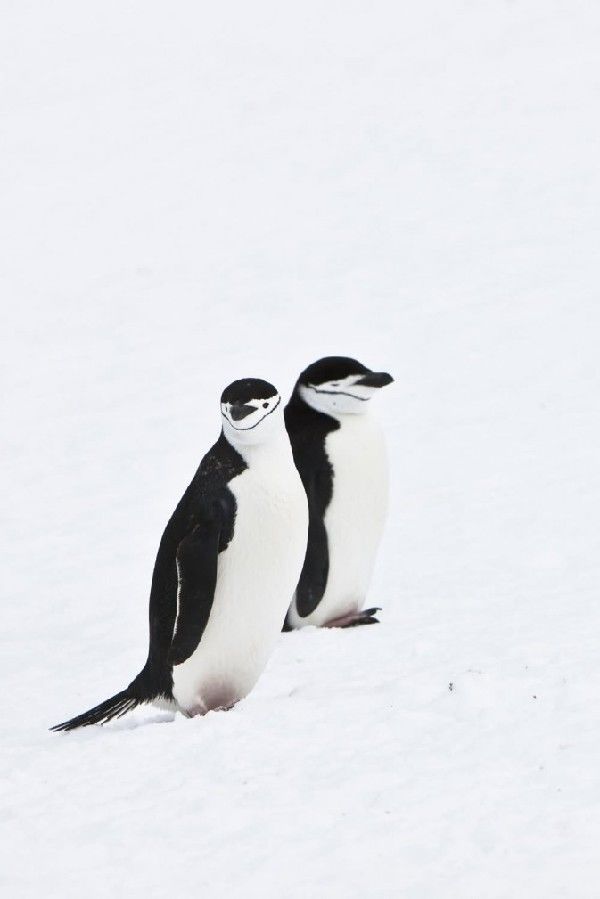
267, 453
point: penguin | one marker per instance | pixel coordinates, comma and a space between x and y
227, 564
340, 452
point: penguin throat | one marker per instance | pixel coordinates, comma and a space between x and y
262, 452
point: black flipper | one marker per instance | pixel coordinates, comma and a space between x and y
313, 577
308, 430
197, 557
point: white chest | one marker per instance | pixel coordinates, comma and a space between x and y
356, 514
270, 536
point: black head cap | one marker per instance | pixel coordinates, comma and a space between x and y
240, 392
331, 368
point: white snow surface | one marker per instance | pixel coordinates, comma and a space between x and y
196, 192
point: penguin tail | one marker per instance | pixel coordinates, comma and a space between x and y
137, 693
115, 707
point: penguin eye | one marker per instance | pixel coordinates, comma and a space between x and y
335, 384
265, 405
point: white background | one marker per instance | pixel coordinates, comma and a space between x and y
196, 192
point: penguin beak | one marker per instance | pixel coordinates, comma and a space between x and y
375, 379
239, 412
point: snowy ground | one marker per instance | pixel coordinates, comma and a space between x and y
197, 192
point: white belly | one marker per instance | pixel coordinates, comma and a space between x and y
256, 576
355, 516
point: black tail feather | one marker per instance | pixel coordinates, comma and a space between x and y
115, 707
151, 683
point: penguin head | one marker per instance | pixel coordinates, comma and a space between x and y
338, 385
251, 411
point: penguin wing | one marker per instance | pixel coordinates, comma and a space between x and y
313, 578
197, 556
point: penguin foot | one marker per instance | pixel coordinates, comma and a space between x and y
365, 616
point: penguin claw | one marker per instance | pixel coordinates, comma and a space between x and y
367, 619
365, 616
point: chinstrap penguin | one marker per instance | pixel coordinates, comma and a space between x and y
228, 562
340, 452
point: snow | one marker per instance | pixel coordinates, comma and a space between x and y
193, 193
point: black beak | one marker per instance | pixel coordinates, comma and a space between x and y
375, 379
239, 412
